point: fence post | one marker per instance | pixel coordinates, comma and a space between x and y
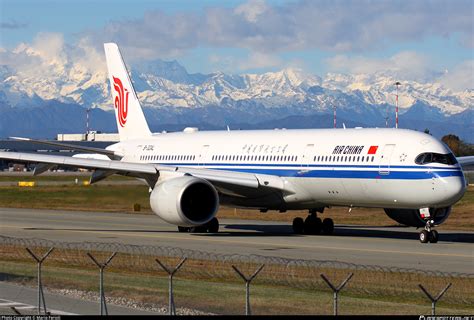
247, 286
103, 305
336, 289
171, 272
40, 261
434, 300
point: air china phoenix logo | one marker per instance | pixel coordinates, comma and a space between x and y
121, 101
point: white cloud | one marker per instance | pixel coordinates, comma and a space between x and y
460, 77
404, 65
252, 9
51, 68
337, 26
259, 60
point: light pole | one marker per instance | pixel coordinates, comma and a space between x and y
396, 106
334, 109
87, 119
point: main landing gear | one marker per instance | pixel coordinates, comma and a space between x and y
429, 235
210, 227
313, 225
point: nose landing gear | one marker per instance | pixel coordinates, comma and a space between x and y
429, 234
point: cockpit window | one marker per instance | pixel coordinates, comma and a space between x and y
429, 157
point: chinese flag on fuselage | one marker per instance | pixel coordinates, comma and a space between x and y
373, 149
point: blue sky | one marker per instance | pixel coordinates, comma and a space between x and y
421, 38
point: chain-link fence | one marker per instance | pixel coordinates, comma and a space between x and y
376, 282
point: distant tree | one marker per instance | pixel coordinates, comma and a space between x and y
427, 131
453, 142
457, 146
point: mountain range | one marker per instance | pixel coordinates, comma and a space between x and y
46, 104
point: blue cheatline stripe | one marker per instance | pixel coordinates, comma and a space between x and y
349, 174
291, 165
307, 172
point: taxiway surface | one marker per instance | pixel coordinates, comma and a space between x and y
383, 246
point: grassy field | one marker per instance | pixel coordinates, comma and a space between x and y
59, 178
121, 198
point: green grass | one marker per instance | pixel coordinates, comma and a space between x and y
222, 297
58, 178
88, 198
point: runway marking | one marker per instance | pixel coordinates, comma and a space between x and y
25, 306
262, 243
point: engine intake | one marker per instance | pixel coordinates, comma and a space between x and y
185, 201
411, 217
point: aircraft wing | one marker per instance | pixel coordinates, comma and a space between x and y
151, 172
109, 153
467, 163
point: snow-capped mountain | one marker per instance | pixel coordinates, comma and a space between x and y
161, 83
220, 98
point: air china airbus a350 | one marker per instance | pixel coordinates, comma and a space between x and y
411, 175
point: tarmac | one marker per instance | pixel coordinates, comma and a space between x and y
366, 245
24, 300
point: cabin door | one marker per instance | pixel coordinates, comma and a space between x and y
385, 158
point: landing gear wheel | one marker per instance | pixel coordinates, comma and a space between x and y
424, 236
434, 236
298, 225
328, 226
183, 229
213, 225
312, 225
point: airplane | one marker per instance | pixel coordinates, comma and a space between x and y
411, 175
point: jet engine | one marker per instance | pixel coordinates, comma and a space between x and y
412, 218
185, 201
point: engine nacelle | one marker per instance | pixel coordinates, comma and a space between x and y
412, 218
185, 201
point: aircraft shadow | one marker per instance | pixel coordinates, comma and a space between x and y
14, 277
279, 230
343, 231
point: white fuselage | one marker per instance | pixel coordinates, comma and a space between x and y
343, 167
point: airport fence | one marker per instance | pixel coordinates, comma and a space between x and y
376, 282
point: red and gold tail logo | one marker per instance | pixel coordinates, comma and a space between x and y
121, 101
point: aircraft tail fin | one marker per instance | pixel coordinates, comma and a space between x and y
131, 122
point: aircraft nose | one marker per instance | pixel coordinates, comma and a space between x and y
454, 188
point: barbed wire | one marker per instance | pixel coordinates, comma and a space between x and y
297, 273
